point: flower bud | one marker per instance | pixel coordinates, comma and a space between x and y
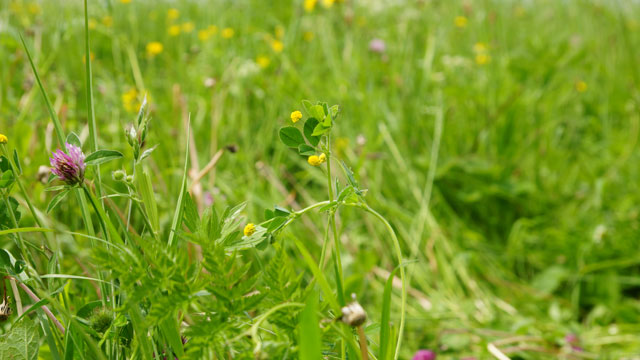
118, 175
131, 135
129, 179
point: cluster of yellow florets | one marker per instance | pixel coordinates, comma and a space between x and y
315, 160
249, 229
3, 139
296, 116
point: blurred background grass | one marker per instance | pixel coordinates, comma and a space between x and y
530, 225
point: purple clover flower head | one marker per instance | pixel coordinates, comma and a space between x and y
424, 355
377, 46
69, 166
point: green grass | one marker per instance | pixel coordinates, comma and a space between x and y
511, 185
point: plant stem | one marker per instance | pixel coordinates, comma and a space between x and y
398, 250
336, 240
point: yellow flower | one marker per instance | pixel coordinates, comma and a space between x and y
173, 13
3, 139
107, 21
249, 230
307, 36
203, 35
480, 47
263, 61
328, 3
296, 115
34, 9
309, 5
212, 29
125, 1
227, 33
315, 160
279, 32
460, 21
581, 86
277, 46
482, 59
130, 100
154, 48
92, 24
174, 30
188, 27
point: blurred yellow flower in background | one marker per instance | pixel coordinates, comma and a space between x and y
307, 36
309, 5
130, 100
203, 35
3, 139
92, 24
188, 27
173, 13
34, 8
154, 48
174, 30
460, 21
279, 31
277, 46
480, 47
263, 61
328, 3
227, 33
581, 86
107, 21
482, 59
125, 1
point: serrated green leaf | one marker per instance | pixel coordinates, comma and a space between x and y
102, 156
291, 136
191, 216
56, 200
21, 342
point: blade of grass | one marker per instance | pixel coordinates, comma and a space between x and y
177, 217
91, 115
309, 335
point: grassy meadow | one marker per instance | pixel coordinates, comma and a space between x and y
236, 170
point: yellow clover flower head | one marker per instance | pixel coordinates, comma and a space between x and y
309, 5
174, 30
3, 139
277, 46
263, 61
295, 116
154, 48
227, 33
188, 27
173, 13
315, 160
250, 229
461, 21
581, 86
